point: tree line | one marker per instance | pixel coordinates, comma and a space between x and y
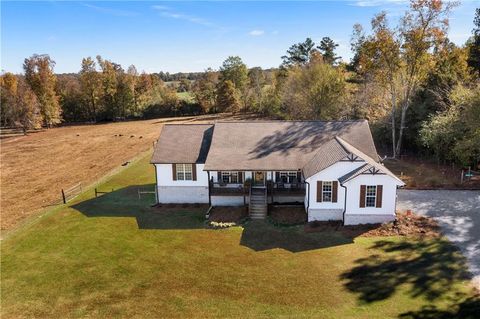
101, 90
419, 91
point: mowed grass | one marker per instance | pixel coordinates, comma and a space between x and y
115, 256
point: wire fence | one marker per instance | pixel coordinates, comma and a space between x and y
72, 192
142, 191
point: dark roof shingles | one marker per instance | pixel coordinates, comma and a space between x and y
183, 143
282, 145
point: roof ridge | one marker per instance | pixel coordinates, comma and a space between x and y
367, 159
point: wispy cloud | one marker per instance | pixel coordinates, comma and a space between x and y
114, 12
256, 33
169, 13
376, 3
159, 7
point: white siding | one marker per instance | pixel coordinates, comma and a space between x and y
331, 173
174, 191
165, 176
356, 219
388, 197
229, 200
353, 213
183, 194
329, 209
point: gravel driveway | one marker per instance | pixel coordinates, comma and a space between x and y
457, 212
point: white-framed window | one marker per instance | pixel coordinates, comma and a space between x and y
327, 191
288, 177
370, 196
230, 177
184, 172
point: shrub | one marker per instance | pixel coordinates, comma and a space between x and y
219, 225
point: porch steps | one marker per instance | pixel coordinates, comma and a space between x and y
258, 203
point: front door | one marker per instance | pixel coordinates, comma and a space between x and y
259, 179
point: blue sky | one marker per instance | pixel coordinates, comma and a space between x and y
179, 36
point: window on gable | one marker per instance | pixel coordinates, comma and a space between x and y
371, 196
184, 172
327, 191
288, 177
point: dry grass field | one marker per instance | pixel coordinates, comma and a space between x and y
34, 168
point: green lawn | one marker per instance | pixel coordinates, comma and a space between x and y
115, 256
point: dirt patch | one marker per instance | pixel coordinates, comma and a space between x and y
34, 168
288, 215
423, 174
228, 214
406, 224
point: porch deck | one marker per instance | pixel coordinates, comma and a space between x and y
273, 189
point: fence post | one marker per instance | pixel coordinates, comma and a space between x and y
63, 197
95, 192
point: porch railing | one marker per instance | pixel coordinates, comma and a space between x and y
277, 189
280, 188
227, 189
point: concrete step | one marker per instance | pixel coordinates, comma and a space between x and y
257, 216
258, 209
262, 212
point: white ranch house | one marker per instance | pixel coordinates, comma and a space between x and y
332, 168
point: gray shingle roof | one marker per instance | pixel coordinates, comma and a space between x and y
183, 143
284, 145
327, 155
370, 163
354, 173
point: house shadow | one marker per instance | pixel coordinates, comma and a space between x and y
260, 235
429, 268
256, 235
125, 202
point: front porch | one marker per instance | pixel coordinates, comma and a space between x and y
256, 190
273, 189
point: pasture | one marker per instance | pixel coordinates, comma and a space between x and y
34, 168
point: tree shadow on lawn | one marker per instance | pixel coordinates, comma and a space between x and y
429, 267
256, 235
124, 202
